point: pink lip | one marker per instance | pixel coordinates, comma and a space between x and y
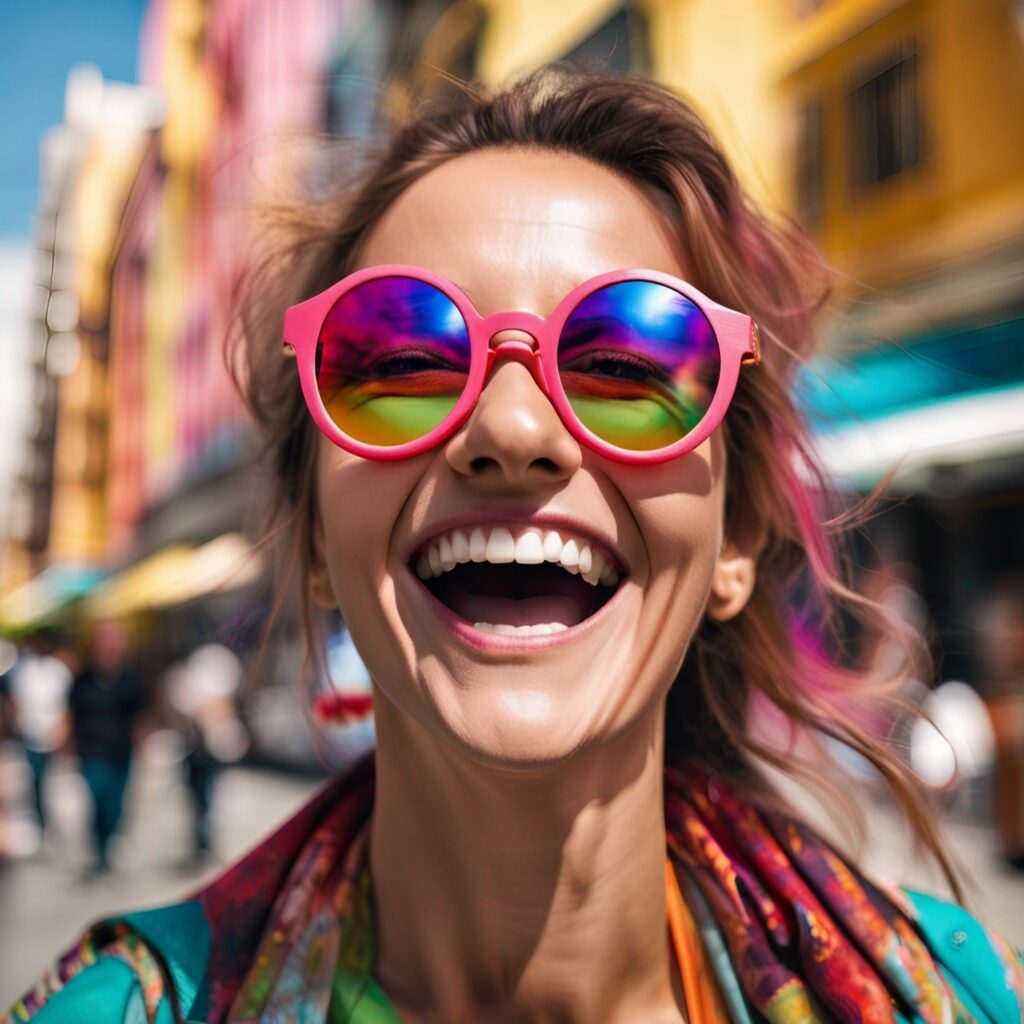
498, 515
502, 642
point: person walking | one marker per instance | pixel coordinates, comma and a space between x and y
201, 692
37, 688
104, 702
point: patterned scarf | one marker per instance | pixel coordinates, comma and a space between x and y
808, 938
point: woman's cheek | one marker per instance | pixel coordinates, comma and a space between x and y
360, 501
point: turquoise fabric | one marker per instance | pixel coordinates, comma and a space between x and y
180, 933
962, 946
105, 993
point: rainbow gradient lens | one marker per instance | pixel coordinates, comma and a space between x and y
393, 359
639, 364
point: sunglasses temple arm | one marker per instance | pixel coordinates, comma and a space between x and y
752, 357
295, 326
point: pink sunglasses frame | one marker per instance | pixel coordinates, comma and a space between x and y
736, 334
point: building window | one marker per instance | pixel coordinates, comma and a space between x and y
810, 162
885, 120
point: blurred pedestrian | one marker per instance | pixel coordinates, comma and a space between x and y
8, 658
1000, 630
36, 690
201, 692
104, 703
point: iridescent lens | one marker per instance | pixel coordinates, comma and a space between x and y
393, 360
639, 363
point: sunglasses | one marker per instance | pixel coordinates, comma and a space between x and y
639, 365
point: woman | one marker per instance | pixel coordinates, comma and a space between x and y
547, 469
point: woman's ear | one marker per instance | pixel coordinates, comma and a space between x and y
320, 589
734, 577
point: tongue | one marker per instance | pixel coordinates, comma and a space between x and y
526, 611
516, 595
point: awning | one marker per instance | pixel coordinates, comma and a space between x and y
41, 599
136, 587
955, 399
225, 564
963, 431
175, 575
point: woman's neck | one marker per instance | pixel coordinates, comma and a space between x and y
508, 898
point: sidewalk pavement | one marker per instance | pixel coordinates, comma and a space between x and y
44, 905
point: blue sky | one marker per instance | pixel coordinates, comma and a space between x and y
40, 40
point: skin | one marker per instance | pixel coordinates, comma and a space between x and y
518, 844
109, 647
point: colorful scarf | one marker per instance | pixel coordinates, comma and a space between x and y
800, 935
810, 939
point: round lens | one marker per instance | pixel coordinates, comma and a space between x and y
639, 363
393, 358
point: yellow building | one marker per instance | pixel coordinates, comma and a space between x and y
89, 164
111, 124
907, 125
893, 128
719, 54
909, 122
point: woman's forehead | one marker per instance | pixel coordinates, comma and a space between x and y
519, 228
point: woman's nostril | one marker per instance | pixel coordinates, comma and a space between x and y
482, 463
485, 464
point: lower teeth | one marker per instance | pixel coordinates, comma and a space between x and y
540, 629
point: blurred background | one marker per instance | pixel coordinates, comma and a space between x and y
138, 140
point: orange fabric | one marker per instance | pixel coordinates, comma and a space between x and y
704, 1003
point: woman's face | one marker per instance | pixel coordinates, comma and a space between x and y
517, 230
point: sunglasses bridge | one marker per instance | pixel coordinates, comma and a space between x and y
524, 349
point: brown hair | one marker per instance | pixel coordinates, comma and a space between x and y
777, 651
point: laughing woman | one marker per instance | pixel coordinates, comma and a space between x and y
535, 438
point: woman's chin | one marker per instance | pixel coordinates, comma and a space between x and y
516, 728
510, 728
523, 755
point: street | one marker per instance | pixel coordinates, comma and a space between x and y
43, 904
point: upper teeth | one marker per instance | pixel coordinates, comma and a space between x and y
531, 547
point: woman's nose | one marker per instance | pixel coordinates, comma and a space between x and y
514, 437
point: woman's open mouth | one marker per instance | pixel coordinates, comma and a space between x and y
521, 581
